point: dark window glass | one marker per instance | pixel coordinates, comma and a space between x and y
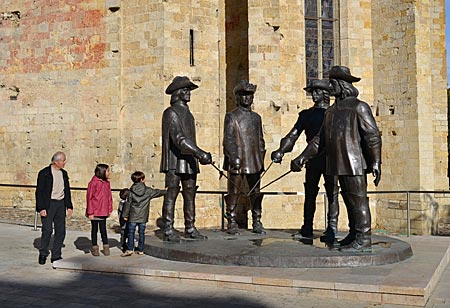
327, 8
311, 8
319, 38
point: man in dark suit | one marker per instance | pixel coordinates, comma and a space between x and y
244, 150
352, 144
180, 157
52, 200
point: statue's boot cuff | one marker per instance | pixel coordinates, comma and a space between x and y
194, 234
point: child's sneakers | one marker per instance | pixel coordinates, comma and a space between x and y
139, 252
127, 253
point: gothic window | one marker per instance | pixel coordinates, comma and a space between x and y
321, 37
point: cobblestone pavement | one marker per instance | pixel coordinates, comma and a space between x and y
25, 283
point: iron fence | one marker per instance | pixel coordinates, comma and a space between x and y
222, 194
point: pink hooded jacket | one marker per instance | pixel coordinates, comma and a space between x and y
99, 198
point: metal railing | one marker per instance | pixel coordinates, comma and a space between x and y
223, 193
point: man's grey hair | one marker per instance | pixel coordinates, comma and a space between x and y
57, 156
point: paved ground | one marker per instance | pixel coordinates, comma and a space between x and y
24, 283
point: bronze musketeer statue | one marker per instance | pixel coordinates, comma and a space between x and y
244, 149
352, 143
180, 157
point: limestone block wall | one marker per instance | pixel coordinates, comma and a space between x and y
59, 87
409, 59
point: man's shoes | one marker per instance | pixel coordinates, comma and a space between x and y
258, 228
194, 234
127, 253
138, 252
55, 259
42, 259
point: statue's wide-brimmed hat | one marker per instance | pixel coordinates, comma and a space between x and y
180, 82
322, 84
244, 87
343, 73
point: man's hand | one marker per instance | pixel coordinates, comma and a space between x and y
205, 158
376, 172
91, 217
69, 212
297, 164
277, 156
43, 213
125, 218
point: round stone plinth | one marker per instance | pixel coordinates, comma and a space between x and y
274, 249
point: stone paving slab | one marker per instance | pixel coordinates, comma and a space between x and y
409, 282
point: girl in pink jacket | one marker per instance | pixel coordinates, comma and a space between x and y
99, 206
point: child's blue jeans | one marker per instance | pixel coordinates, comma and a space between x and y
131, 230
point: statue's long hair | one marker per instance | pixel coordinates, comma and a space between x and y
175, 96
347, 89
326, 97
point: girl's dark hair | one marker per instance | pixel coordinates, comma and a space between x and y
123, 193
137, 176
100, 171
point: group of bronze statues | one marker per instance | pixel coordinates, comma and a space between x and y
344, 145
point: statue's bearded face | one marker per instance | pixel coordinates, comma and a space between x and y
335, 88
245, 100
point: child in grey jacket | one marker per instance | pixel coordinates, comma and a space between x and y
136, 211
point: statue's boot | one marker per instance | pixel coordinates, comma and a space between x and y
231, 201
351, 236
256, 202
362, 219
190, 231
167, 219
332, 190
309, 208
361, 243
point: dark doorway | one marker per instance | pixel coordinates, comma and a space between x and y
236, 37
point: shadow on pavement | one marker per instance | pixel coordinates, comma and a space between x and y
98, 290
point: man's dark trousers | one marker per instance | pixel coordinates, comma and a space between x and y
56, 215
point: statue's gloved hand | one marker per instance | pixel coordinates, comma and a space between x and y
235, 163
376, 172
277, 156
205, 158
297, 164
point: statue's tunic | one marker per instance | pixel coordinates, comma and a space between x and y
178, 124
350, 138
243, 139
